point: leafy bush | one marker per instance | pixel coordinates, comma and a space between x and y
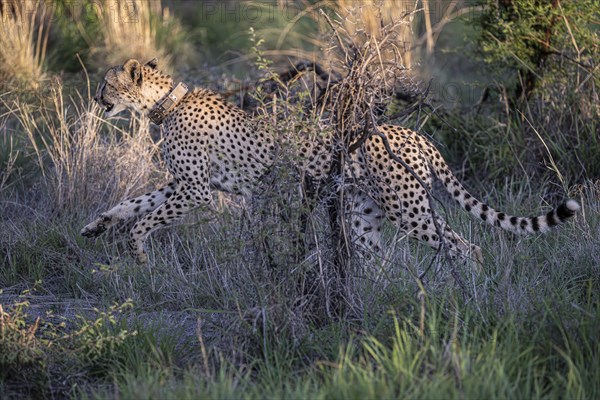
533, 38
540, 117
99, 343
23, 358
34, 351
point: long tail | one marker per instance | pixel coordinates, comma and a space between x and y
520, 225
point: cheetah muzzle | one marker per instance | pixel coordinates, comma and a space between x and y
210, 144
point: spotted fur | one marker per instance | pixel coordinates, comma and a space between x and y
209, 144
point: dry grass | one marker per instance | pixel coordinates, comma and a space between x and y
23, 39
85, 160
138, 29
370, 17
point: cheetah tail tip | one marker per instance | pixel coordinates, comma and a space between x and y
573, 206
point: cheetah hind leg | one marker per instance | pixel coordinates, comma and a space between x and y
457, 246
366, 219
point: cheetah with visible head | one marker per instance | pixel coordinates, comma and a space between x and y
210, 144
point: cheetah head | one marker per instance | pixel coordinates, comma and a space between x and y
123, 87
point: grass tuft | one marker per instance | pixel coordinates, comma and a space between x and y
141, 30
23, 42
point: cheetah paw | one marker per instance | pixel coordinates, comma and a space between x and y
97, 227
137, 249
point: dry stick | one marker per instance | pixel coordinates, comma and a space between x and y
366, 131
416, 107
419, 108
335, 209
428, 30
336, 205
341, 43
356, 145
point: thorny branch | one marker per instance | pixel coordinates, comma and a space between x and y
364, 76
365, 90
371, 72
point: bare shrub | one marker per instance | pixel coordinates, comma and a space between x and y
372, 71
296, 240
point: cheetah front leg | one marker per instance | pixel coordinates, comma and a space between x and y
128, 209
180, 203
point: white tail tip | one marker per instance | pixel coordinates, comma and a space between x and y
573, 205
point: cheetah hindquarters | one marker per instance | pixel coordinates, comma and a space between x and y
368, 218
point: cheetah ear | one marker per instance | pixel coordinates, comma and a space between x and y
134, 69
153, 63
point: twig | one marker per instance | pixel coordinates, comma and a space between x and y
337, 35
419, 109
415, 107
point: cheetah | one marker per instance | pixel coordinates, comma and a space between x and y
210, 144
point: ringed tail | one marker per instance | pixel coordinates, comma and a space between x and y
519, 225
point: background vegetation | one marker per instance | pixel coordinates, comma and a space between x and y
229, 307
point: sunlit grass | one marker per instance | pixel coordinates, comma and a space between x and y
141, 30
371, 15
24, 30
71, 143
